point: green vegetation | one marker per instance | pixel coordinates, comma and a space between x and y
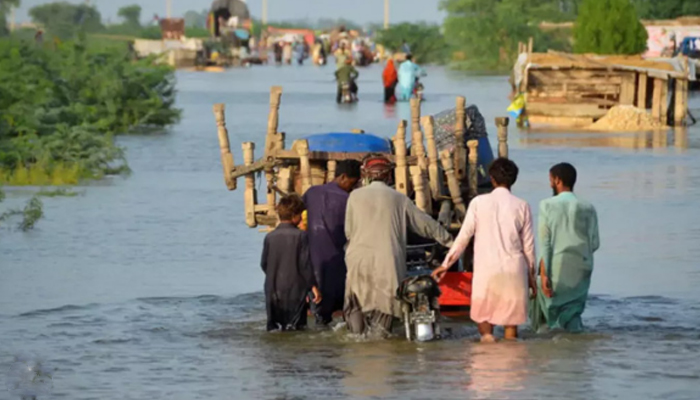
5, 6
666, 9
484, 34
427, 43
64, 20
31, 213
60, 107
609, 27
131, 16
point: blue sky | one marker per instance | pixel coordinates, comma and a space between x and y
362, 11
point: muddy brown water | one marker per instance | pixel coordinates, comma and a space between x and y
148, 286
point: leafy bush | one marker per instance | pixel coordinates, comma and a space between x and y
609, 27
484, 34
426, 42
64, 20
59, 109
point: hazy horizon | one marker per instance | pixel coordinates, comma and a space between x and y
360, 11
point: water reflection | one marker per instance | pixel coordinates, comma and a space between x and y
369, 366
496, 368
658, 140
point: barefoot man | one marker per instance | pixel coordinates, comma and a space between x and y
504, 254
568, 233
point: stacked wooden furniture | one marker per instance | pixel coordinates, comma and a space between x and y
441, 184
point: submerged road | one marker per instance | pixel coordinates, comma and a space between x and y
149, 286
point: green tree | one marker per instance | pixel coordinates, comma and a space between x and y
5, 7
427, 43
609, 27
64, 20
194, 19
666, 9
485, 33
131, 15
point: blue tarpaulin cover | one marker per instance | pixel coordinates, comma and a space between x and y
348, 143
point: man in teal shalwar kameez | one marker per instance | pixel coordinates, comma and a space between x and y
568, 235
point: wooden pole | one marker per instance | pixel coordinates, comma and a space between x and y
302, 148
250, 198
680, 102
656, 100
530, 45
415, 122
453, 184
419, 148
460, 157
330, 170
273, 141
168, 8
263, 15
502, 125
225, 146
271, 138
422, 202
401, 170
386, 14
473, 168
642, 91
433, 169
664, 102
284, 180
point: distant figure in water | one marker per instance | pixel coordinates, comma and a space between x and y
289, 275
408, 73
287, 53
326, 206
504, 254
390, 79
568, 233
277, 49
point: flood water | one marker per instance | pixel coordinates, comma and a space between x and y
149, 286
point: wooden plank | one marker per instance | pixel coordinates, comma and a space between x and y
628, 89
401, 169
566, 110
679, 106
250, 197
664, 102
642, 91
656, 99
224, 146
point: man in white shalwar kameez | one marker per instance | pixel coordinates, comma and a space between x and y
504, 254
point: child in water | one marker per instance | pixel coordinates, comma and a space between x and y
289, 275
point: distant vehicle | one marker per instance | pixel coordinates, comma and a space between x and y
345, 93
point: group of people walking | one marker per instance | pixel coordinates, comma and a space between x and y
353, 255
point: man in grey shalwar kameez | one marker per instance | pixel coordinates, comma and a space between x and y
377, 220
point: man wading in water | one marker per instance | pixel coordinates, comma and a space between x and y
504, 254
326, 206
568, 232
376, 224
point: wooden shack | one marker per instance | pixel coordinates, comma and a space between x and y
577, 90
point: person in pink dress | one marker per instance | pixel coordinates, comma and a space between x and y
504, 254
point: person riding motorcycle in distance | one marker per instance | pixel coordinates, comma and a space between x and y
346, 74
